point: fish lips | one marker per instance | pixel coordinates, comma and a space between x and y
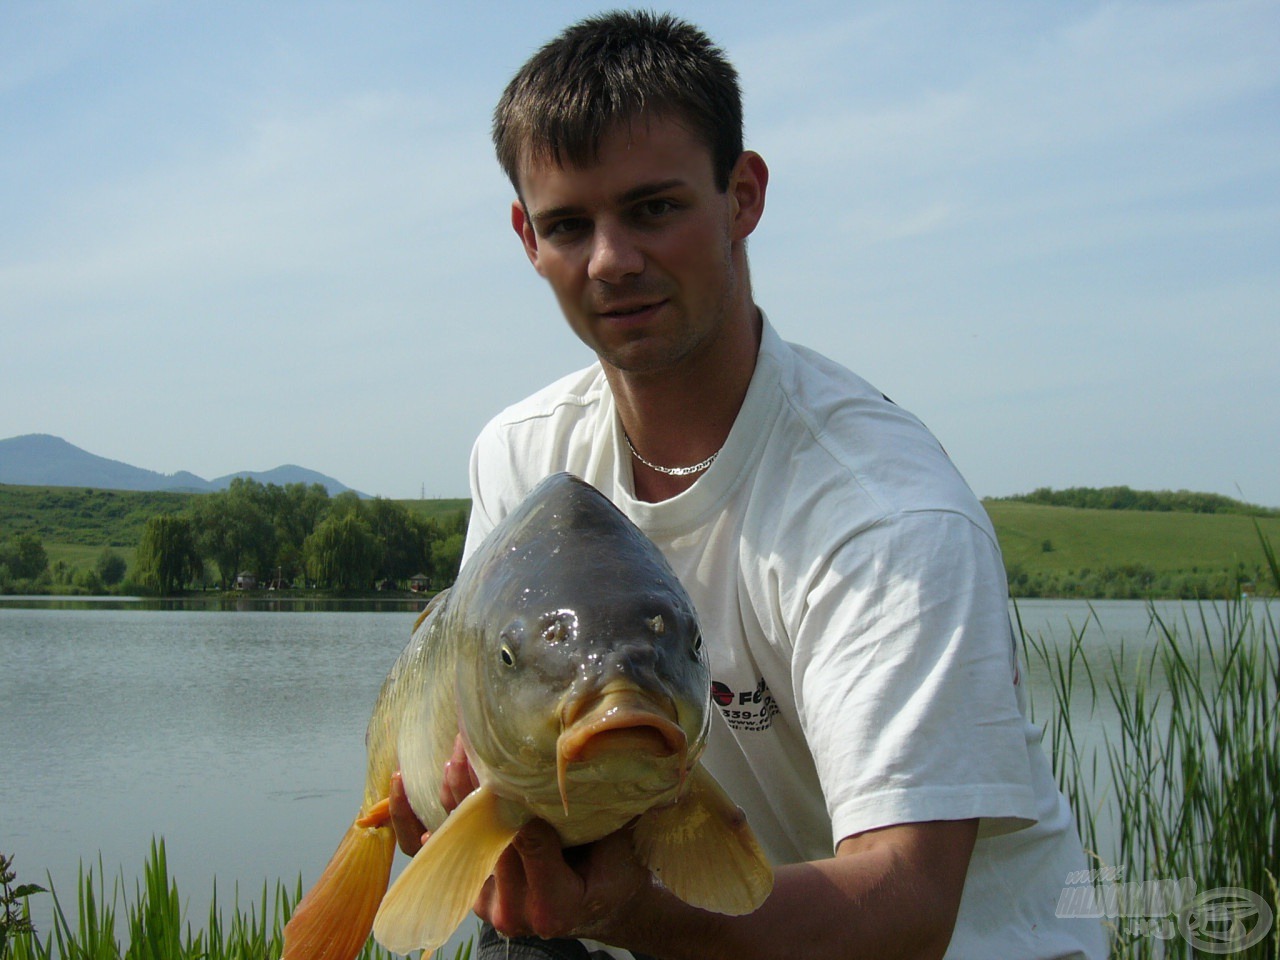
620, 720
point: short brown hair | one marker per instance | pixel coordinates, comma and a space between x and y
613, 68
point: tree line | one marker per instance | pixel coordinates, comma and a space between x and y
1125, 498
296, 536
282, 536
25, 568
1138, 581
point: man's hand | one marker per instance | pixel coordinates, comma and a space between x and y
458, 781
540, 889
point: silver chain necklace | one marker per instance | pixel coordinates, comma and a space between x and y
671, 471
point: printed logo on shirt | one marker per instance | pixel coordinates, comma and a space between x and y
751, 710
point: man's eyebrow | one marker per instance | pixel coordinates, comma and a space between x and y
639, 192
649, 189
540, 217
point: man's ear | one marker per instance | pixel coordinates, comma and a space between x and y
748, 182
524, 230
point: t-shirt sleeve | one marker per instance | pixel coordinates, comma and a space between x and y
488, 479
904, 670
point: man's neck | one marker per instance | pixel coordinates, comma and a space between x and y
679, 417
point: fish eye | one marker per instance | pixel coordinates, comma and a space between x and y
508, 656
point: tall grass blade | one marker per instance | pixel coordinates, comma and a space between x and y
155, 927
1192, 762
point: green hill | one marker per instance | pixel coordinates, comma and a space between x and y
1070, 551
82, 516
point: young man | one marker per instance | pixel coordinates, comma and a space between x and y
849, 584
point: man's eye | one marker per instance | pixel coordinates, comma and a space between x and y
656, 207
564, 227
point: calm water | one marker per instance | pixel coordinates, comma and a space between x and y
237, 735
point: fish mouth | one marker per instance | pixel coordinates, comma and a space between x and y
620, 720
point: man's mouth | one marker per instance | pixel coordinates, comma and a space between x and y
628, 310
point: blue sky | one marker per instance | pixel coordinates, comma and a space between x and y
237, 235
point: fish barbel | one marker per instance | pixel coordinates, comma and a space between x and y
569, 658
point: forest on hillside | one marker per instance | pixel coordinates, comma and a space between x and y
250, 535
1125, 498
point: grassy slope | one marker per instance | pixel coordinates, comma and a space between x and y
1165, 542
74, 515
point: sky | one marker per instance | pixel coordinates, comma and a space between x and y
240, 235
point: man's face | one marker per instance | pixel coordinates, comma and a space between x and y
639, 247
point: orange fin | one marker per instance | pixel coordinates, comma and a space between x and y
333, 920
703, 850
379, 815
433, 894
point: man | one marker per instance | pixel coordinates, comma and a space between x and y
849, 584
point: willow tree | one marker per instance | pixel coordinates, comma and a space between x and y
167, 558
343, 553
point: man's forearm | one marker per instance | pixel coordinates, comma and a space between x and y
879, 898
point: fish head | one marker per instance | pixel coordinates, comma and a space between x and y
590, 656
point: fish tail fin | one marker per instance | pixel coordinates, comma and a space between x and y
433, 894
703, 850
332, 922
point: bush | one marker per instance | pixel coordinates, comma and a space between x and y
110, 567
24, 556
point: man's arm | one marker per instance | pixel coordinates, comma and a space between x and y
893, 892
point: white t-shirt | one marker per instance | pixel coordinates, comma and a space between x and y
854, 610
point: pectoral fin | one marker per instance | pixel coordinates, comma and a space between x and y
703, 850
332, 921
433, 894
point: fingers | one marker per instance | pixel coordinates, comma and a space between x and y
502, 899
553, 891
614, 877
459, 779
536, 891
410, 833
533, 891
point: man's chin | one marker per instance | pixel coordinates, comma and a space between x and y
646, 357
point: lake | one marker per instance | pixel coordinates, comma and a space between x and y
237, 734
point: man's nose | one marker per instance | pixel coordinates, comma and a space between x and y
614, 254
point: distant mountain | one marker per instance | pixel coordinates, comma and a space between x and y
286, 473
40, 460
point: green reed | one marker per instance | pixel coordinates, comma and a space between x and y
1186, 785
155, 927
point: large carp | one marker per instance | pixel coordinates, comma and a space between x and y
569, 658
